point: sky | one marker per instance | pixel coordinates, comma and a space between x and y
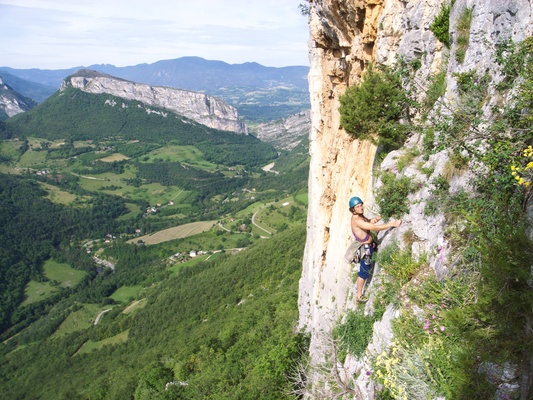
61, 34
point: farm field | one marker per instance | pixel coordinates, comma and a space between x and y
176, 232
189, 155
90, 346
37, 291
62, 273
58, 196
126, 293
80, 319
135, 305
114, 157
33, 159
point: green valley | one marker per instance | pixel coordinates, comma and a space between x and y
146, 257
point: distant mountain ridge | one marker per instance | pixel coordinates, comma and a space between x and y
191, 73
202, 108
195, 73
33, 90
259, 93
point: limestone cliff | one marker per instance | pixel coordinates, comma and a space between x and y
202, 108
13, 103
286, 133
345, 36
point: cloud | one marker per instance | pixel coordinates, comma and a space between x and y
61, 33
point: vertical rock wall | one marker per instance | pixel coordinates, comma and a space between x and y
342, 41
345, 37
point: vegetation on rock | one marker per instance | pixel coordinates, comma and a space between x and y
456, 335
441, 24
374, 108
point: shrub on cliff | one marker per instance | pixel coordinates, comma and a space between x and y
441, 24
375, 108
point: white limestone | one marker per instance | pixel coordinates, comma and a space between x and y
345, 37
202, 108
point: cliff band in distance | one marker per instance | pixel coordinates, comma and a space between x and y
202, 108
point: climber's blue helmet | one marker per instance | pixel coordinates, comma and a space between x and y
355, 201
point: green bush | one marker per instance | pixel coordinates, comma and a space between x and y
392, 196
473, 91
512, 58
407, 158
355, 333
441, 24
497, 324
436, 89
426, 356
375, 108
403, 266
438, 195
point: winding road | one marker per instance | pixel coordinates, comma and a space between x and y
260, 227
100, 315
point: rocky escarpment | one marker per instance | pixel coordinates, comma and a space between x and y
12, 102
342, 40
346, 36
287, 133
202, 108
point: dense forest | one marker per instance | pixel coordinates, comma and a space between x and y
220, 329
33, 228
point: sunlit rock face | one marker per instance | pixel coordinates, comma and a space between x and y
345, 37
286, 133
202, 108
12, 102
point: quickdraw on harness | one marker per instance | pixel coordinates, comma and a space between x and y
364, 253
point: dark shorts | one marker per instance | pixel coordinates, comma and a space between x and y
365, 264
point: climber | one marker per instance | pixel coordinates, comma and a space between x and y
361, 227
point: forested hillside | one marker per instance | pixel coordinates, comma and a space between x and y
75, 115
222, 329
33, 229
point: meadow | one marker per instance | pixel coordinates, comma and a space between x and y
58, 275
62, 273
176, 232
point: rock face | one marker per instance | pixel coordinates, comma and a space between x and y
340, 167
345, 36
287, 133
13, 103
202, 108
